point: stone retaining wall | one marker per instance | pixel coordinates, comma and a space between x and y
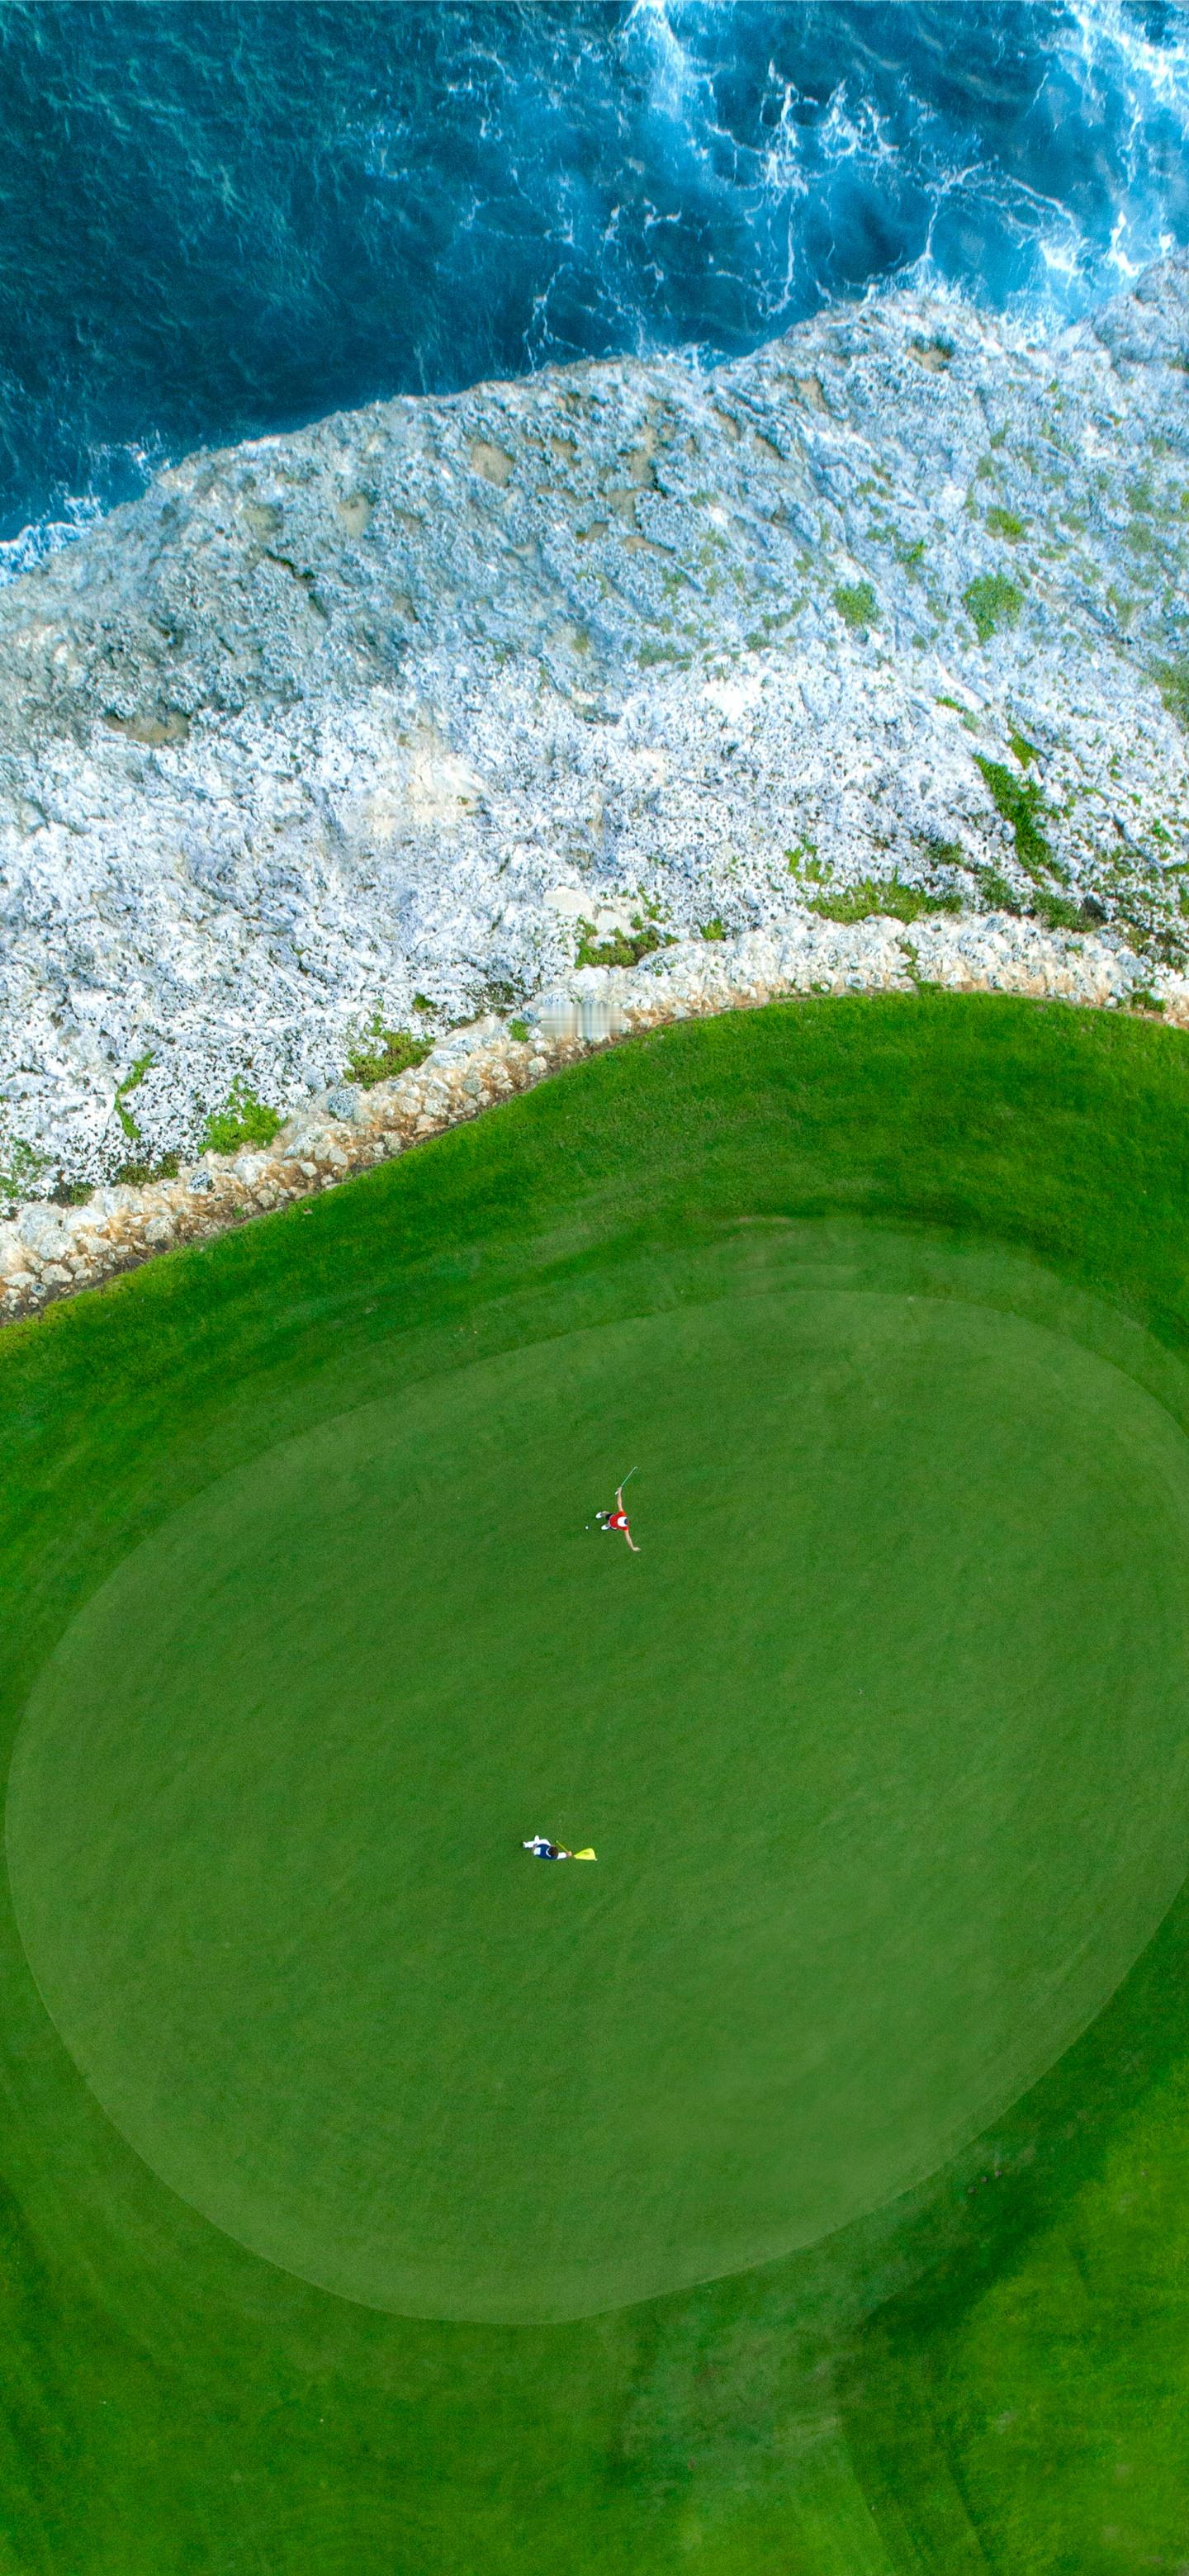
48, 1251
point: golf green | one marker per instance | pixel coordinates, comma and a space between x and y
882, 1741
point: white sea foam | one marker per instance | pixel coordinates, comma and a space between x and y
76, 511
566, 182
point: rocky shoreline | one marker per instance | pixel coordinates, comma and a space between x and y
400, 719
48, 1252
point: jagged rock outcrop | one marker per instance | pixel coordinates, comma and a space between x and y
418, 705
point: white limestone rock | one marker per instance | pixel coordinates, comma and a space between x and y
432, 698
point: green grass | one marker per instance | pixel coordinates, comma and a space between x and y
1076, 2467
174, 2402
1021, 2406
741, 2077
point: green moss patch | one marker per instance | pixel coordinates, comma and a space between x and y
992, 601
883, 895
1172, 680
1007, 524
856, 604
1021, 803
620, 947
131, 1083
382, 1053
243, 1120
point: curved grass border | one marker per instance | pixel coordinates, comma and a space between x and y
173, 2404
51, 1251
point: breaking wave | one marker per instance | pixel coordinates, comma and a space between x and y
222, 220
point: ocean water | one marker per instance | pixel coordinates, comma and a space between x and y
219, 217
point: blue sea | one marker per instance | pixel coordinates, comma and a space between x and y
218, 219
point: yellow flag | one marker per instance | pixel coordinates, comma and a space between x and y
586, 1855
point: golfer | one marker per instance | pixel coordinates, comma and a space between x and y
542, 1849
618, 1520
